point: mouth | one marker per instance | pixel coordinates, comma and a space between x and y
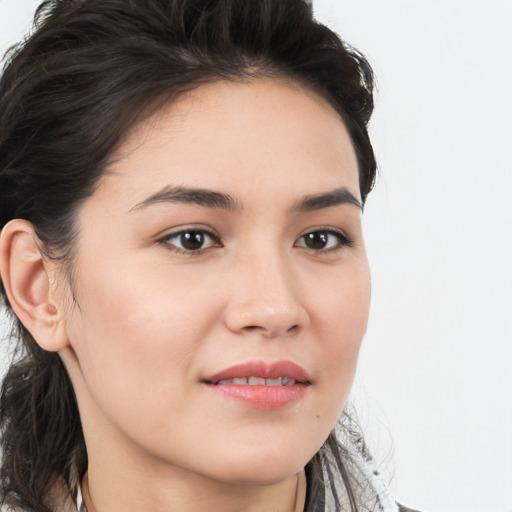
259, 373
260, 385
258, 381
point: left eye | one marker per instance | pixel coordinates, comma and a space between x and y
323, 240
192, 240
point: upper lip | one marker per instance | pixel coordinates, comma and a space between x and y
261, 369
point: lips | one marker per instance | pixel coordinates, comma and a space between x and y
260, 385
261, 370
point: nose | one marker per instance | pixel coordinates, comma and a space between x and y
266, 299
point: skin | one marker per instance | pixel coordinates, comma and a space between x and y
143, 321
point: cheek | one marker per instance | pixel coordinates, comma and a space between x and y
341, 316
142, 308
342, 306
135, 332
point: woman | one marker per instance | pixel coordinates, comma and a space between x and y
181, 194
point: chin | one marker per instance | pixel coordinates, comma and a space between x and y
261, 476
262, 467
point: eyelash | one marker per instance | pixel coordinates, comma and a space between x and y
342, 240
190, 252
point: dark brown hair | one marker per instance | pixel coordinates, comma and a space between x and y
91, 70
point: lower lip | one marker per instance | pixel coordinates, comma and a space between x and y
261, 397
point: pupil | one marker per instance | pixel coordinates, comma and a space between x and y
193, 240
316, 240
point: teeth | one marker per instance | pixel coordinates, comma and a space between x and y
242, 380
259, 381
256, 381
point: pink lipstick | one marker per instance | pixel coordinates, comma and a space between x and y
261, 385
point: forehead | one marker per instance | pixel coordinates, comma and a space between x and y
240, 136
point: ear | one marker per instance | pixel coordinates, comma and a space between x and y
28, 285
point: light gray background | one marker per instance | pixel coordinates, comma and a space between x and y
434, 382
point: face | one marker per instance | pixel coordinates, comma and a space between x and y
221, 285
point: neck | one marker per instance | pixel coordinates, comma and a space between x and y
287, 496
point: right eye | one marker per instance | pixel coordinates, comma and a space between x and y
191, 241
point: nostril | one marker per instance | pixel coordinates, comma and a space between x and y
265, 318
268, 332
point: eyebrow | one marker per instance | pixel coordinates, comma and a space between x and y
212, 199
325, 200
199, 196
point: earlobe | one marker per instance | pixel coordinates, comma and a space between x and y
27, 283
